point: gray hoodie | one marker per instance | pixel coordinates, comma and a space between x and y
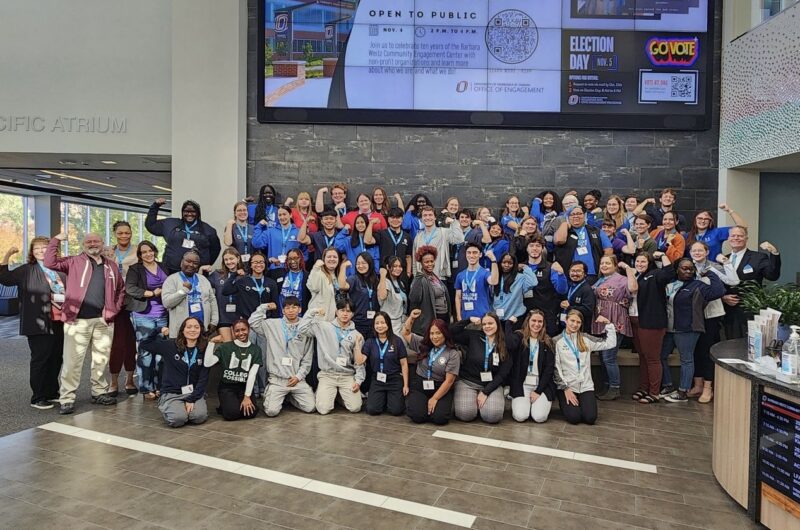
330, 346
299, 349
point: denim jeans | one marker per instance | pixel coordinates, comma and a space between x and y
685, 341
148, 365
609, 358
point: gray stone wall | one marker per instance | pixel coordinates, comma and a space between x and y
481, 166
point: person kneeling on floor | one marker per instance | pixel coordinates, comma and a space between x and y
288, 357
240, 360
184, 378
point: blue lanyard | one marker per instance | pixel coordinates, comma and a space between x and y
189, 363
294, 280
230, 297
488, 246
581, 236
396, 240
382, 348
188, 229
661, 240
120, 256
286, 335
429, 237
469, 283
341, 211
435, 353
575, 351
533, 351
360, 248
600, 281
52, 276
341, 334
258, 287
243, 233
285, 237
573, 289
194, 281
270, 214
329, 240
487, 351
369, 294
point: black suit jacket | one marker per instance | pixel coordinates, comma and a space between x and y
758, 266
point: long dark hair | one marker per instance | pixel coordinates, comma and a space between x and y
389, 264
556, 200
499, 336
543, 337
426, 345
691, 236
413, 202
508, 278
202, 342
370, 278
148, 244
261, 206
390, 336
354, 239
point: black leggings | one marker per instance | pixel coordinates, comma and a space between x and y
417, 403
585, 412
703, 365
230, 402
386, 396
47, 352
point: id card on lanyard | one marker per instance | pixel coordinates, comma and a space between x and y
189, 388
382, 349
193, 296
187, 230
288, 335
341, 335
574, 350
435, 353
488, 350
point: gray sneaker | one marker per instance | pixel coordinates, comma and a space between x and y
679, 396
104, 399
67, 408
611, 395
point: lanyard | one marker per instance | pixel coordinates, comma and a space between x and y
230, 297
370, 290
673, 288
189, 363
188, 229
487, 351
533, 351
575, 351
488, 246
600, 281
429, 237
573, 289
581, 236
435, 353
329, 240
382, 350
396, 240
285, 234
294, 281
286, 336
258, 287
341, 334
360, 248
469, 283
661, 240
120, 256
341, 211
243, 233
270, 214
193, 280
52, 276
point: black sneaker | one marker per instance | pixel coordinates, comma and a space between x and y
665, 391
42, 405
67, 408
104, 399
679, 396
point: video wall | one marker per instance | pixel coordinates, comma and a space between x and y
535, 63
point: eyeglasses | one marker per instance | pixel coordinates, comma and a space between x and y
258, 263
704, 219
576, 214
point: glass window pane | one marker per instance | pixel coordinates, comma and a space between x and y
77, 215
11, 226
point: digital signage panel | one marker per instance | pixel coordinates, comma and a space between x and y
512, 63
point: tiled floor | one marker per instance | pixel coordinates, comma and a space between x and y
53, 479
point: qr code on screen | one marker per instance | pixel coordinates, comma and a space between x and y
682, 86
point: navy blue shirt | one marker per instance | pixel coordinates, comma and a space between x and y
362, 299
391, 359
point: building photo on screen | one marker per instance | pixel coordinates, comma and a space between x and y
550, 63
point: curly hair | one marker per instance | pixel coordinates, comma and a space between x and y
424, 251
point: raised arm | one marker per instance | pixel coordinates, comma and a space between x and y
319, 203
151, 222
382, 292
369, 238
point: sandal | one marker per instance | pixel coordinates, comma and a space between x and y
647, 399
131, 391
149, 396
638, 395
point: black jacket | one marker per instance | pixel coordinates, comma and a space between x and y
584, 300
565, 253
472, 363
545, 360
34, 297
206, 241
760, 266
651, 298
136, 285
176, 373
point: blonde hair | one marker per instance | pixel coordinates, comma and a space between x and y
619, 217
580, 343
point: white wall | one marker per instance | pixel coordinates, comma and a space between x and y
89, 63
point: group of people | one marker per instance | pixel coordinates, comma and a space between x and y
416, 310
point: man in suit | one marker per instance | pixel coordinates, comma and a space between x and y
750, 266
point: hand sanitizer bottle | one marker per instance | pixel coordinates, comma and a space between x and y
790, 358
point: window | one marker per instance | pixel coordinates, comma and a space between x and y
13, 229
769, 8
80, 219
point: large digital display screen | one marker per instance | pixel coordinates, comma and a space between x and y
779, 445
639, 64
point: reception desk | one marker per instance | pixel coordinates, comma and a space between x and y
756, 446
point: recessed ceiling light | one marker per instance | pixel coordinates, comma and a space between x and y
65, 186
73, 177
66, 162
162, 188
130, 198
108, 162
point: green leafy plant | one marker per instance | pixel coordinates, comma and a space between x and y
783, 298
308, 52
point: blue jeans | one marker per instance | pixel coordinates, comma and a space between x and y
148, 365
685, 341
609, 358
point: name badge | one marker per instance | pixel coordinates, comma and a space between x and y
341, 361
59, 298
245, 258
427, 384
531, 380
486, 377
230, 308
469, 306
286, 361
279, 280
582, 251
370, 314
454, 264
187, 389
500, 312
381, 377
573, 236
748, 269
563, 318
195, 307
528, 294
187, 243
282, 258
496, 359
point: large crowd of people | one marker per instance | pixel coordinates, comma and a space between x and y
414, 309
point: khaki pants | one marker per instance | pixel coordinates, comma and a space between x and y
299, 395
330, 384
79, 336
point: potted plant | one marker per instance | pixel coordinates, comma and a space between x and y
784, 298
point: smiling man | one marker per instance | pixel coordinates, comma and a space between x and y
94, 293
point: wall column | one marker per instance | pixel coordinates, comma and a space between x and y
46, 215
741, 189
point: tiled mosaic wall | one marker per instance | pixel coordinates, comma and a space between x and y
760, 117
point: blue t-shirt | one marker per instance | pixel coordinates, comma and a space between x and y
476, 294
508, 218
391, 358
271, 213
714, 238
584, 242
277, 241
364, 298
291, 284
499, 248
243, 238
